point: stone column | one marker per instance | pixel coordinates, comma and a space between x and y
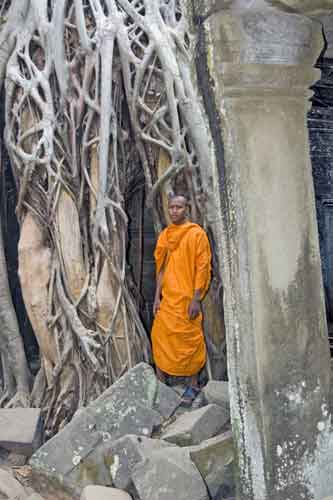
260, 67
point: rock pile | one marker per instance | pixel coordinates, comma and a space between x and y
20, 430
137, 442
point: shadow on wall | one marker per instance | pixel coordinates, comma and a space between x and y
8, 197
320, 125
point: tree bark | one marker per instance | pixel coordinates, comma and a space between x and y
16, 377
15, 371
94, 91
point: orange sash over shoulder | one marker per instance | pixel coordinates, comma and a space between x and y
183, 252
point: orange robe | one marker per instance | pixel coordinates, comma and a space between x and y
178, 342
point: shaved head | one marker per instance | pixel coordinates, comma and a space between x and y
177, 207
183, 195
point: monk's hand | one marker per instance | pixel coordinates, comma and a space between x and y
194, 308
156, 306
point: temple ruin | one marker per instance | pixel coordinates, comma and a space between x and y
107, 106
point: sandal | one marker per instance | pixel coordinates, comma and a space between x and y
189, 395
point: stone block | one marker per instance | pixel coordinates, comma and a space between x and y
35, 496
124, 454
167, 400
10, 488
72, 459
214, 458
199, 401
102, 493
16, 460
20, 430
169, 475
219, 497
196, 426
217, 392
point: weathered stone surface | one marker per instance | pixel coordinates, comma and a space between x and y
214, 459
308, 7
71, 459
196, 426
10, 488
102, 493
125, 453
20, 430
167, 400
35, 496
16, 460
273, 286
199, 401
217, 392
303, 6
169, 475
221, 496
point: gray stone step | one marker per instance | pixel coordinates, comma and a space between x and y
124, 454
214, 459
102, 493
167, 400
20, 430
196, 426
217, 392
169, 475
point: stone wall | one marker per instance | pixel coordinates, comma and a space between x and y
259, 63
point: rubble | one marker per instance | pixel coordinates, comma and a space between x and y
217, 392
131, 442
214, 459
167, 400
195, 426
168, 476
10, 488
20, 430
69, 460
125, 453
102, 493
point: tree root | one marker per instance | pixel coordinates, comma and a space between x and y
89, 111
20, 400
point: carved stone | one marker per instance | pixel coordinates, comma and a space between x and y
260, 65
308, 7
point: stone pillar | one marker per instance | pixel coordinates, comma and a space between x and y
260, 65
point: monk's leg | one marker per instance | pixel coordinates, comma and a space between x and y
160, 375
194, 381
192, 390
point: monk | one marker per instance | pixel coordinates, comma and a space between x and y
183, 270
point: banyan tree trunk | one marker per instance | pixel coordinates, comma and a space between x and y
16, 378
95, 91
15, 375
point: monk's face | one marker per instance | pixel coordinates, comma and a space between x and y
177, 208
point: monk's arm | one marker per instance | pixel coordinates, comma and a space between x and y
195, 307
157, 299
203, 265
202, 276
